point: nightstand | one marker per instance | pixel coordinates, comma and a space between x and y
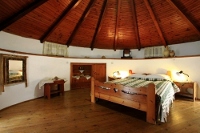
183, 89
113, 78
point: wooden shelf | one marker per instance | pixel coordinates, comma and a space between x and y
185, 94
55, 91
90, 69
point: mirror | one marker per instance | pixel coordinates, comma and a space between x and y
14, 69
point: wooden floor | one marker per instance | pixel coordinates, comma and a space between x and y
74, 113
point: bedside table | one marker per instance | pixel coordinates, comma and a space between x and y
183, 89
110, 78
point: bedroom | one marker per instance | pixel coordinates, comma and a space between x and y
39, 67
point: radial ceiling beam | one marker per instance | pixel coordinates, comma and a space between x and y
116, 24
155, 22
98, 27
135, 25
184, 16
72, 5
84, 15
21, 13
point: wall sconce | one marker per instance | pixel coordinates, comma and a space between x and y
182, 76
116, 74
181, 72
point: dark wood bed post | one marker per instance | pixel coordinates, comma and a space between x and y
151, 99
92, 90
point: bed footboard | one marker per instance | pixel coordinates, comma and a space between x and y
142, 98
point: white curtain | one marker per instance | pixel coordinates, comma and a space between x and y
150, 52
50, 48
158, 51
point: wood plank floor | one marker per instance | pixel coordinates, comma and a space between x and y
74, 113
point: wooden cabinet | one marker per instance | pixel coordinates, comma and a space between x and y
81, 74
184, 86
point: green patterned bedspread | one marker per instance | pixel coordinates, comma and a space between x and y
165, 89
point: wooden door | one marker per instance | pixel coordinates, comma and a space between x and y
99, 71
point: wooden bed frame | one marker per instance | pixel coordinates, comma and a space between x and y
142, 98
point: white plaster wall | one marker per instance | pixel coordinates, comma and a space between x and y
17, 43
15, 65
39, 67
95, 53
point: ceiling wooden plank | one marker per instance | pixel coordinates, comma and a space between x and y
116, 24
84, 15
184, 16
155, 22
72, 5
21, 13
135, 25
98, 27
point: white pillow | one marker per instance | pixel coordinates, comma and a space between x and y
137, 75
158, 76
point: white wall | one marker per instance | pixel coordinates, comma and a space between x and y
15, 65
183, 49
17, 43
39, 67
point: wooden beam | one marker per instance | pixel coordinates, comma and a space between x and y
184, 16
155, 22
98, 27
21, 13
84, 15
135, 25
72, 5
116, 24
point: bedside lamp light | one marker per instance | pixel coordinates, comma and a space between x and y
116, 74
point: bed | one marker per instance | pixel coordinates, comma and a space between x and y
153, 93
15, 75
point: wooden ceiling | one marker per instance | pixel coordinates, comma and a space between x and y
103, 24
